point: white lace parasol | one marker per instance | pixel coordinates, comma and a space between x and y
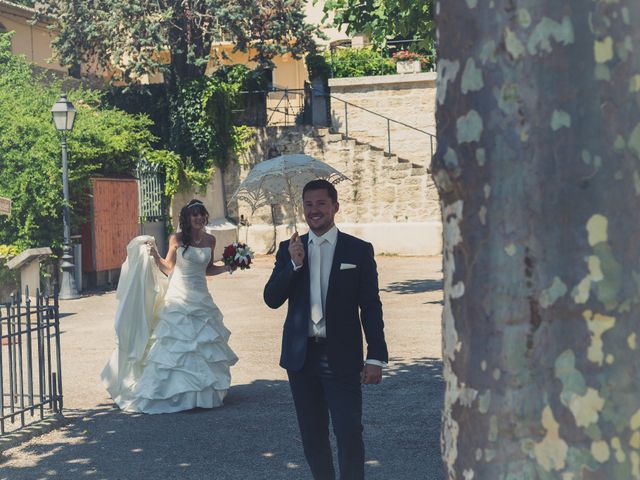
281, 180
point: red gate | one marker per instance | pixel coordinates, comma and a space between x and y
112, 224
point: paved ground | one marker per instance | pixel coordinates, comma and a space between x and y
254, 436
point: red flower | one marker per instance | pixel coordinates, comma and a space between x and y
407, 56
238, 255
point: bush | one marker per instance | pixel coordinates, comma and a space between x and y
317, 66
359, 62
8, 278
104, 141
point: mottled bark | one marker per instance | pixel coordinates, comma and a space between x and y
539, 174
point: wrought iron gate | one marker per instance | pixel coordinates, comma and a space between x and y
150, 198
30, 365
151, 204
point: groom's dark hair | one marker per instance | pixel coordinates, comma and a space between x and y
321, 185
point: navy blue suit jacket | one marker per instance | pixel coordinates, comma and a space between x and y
352, 305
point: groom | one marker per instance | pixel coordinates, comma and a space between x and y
330, 281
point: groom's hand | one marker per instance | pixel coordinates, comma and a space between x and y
371, 374
296, 249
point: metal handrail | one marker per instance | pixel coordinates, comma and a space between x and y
321, 93
287, 107
380, 115
432, 137
284, 107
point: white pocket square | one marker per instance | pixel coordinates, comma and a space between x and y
347, 266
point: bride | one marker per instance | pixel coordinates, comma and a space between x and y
172, 352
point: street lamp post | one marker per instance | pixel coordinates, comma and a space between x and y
64, 114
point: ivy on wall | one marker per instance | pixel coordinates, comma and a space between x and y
197, 124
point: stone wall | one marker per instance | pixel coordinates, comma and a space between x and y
389, 201
408, 98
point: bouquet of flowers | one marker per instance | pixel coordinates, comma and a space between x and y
237, 255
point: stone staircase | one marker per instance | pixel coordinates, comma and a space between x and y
363, 147
383, 187
390, 201
414, 147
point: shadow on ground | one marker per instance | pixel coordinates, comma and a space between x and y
413, 286
254, 436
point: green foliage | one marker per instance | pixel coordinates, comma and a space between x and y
132, 34
149, 100
179, 174
203, 135
26, 3
360, 62
382, 20
220, 96
104, 141
317, 66
8, 278
131, 38
7, 252
192, 113
243, 138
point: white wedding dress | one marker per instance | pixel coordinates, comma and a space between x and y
172, 350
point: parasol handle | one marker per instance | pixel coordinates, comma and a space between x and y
293, 206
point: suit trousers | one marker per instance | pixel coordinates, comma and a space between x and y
317, 392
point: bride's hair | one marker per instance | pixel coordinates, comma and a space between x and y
194, 206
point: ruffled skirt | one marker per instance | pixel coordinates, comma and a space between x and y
187, 361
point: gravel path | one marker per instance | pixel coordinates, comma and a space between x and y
254, 436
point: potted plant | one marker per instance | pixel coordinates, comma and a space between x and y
409, 62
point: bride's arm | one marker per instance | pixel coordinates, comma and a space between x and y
166, 264
216, 269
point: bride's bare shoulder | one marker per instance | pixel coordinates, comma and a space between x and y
175, 239
210, 239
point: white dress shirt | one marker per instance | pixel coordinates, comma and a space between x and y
327, 244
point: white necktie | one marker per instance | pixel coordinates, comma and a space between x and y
315, 284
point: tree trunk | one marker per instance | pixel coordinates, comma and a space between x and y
538, 171
187, 44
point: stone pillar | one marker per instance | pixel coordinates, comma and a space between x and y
28, 262
319, 104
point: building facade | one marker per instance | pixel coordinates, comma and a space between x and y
32, 38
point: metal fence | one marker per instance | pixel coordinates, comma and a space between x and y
274, 107
151, 204
314, 106
30, 366
150, 200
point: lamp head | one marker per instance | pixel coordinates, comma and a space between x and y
63, 114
